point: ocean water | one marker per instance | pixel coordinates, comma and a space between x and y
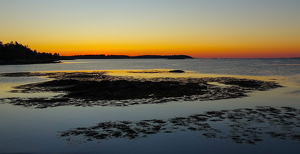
30, 130
253, 67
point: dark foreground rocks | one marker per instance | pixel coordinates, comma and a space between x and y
97, 88
245, 125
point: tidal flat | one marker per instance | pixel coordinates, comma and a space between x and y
139, 109
97, 88
242, 126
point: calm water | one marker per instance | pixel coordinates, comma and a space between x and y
254, 67
37, 130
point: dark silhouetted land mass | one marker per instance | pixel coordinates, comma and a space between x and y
15, 53
102, 56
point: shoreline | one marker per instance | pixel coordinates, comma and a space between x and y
28, 62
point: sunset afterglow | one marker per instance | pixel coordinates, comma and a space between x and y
202, 29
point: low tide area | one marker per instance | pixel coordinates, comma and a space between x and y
148, 111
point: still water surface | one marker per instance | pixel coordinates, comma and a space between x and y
37, 130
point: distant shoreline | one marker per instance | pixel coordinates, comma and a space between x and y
25, 62
57, 60
125, 57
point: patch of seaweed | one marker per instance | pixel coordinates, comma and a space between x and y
242, 126
98, 88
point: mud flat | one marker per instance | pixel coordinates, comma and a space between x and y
242, 126
99, 88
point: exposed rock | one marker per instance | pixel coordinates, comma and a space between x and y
177, 71
97, 88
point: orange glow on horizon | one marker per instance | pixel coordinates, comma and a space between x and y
201, 29
196, 52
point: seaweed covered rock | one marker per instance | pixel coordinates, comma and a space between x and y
176, 71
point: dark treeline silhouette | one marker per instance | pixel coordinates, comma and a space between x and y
102, 56
16, 53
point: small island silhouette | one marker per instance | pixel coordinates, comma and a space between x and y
103, 56
16, 53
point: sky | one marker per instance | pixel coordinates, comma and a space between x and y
199, 28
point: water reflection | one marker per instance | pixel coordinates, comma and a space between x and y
244, 125
7, 84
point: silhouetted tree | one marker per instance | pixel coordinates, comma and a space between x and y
18, 53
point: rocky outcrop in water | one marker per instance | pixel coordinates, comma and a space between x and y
97, 88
